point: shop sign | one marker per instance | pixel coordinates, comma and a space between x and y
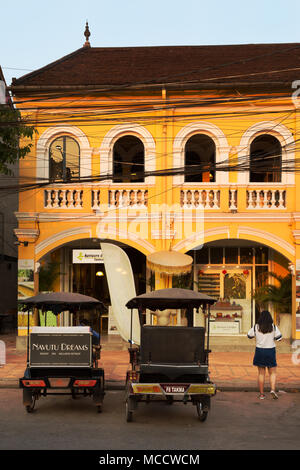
60, 350
25, 278
87, 256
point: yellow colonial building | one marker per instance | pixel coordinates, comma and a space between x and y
143, 149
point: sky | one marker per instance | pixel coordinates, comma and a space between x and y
35, 33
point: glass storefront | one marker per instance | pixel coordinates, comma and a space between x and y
230, 273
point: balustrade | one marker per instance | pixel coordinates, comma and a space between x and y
200, 198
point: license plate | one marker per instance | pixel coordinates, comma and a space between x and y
59, 382
174, 388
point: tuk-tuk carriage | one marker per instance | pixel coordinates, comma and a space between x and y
171, 363
62, 360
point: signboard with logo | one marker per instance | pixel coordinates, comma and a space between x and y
25, 278
58, 348
87, 256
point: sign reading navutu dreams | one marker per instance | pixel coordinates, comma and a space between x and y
60, 349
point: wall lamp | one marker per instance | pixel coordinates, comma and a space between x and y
21, 243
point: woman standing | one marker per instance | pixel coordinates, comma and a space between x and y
266, 333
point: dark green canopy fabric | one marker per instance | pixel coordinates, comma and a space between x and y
58, 302
170, 298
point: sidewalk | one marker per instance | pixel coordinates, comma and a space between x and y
228, 370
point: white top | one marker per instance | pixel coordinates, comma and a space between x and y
265, 340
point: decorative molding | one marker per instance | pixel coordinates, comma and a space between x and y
42, 149
296, 234
27, 233
203, 235
106, 149
115, 234
61, 236
200, 127
269, 237
286, 139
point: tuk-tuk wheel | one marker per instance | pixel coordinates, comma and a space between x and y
99, 408
30, 408
129, 414
202, 414
170, 399
28, 400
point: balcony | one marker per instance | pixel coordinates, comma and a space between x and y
258, 198
241, 199
91, 199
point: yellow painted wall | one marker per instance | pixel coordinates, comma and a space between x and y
273, 227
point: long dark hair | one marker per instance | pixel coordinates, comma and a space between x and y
265, 322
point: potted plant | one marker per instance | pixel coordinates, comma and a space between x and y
280, 295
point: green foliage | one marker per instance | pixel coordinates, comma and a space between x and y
279, 295
183, 281
12, 129
48, 275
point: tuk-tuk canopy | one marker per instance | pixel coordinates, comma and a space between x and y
172, 298
58, 302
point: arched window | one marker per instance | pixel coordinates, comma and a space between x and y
128, 160
64, 159
265, 159
200, 150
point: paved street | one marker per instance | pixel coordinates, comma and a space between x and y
237, 420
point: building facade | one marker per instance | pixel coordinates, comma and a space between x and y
189, 148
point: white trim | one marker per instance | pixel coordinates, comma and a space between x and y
285, 137
262, 234
42, 150
112, 233
61, 236
201, 127
202, 236
106, 149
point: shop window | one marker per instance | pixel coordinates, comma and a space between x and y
202, 256
261, 255
64, 159
246, 255
200, 149
231, 255
216, 255
265, 159
128, 160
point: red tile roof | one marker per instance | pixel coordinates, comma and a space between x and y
96, 66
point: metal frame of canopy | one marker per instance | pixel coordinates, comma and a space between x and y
58, 302
172, 362
86, 380
169, 298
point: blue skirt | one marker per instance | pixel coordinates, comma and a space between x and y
265, 357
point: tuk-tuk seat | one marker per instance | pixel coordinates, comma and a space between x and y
177, 345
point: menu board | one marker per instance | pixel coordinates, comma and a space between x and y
209, 284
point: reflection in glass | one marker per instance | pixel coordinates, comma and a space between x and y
231, 255
64, 159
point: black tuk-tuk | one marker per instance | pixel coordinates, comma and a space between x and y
171, 363
62, 360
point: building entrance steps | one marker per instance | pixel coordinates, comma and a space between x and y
230, 370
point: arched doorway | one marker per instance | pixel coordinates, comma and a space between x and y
79, 267
230, 271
